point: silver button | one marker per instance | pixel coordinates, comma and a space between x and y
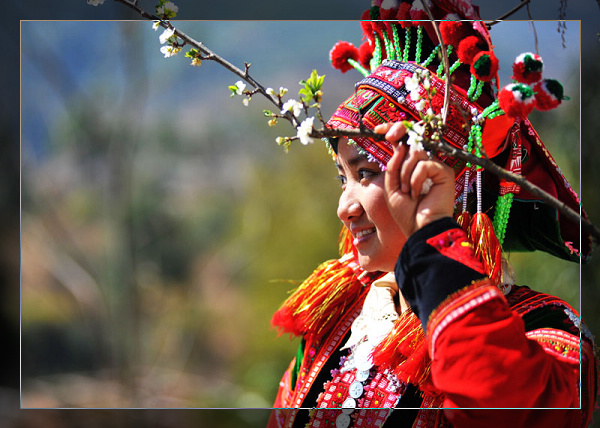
356, 389
362, 375
342, 421
349, 405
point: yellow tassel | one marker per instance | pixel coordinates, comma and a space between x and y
487, 247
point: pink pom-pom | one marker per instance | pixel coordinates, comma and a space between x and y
468, 48
365, 53
341, 53
485, 66
549, 93
528, 68
517, 100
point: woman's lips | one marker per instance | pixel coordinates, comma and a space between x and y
363, 235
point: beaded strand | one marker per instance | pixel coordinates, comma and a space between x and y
419, 43
406, 44
503, 205
431, 56
396, 39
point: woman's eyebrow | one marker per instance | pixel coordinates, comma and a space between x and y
353, 161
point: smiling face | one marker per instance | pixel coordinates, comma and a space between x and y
364, 211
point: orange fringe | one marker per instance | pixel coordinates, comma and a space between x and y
487, 246
319, 302
404, 352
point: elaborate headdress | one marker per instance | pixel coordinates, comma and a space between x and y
481, 119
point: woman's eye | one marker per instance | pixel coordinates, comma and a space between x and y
366, 174
341, 179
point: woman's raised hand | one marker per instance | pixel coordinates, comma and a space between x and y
409, 174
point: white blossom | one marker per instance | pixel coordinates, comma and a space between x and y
246, 101
169, 51
95, 2
415, 136
270, 91
240, 87
293, 106
166, 35
164, 9
282, 90
412, 83
305, 129
155, 25
426, 83
420, 105
415, 95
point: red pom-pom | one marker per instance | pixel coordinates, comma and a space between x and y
403, 15
516, 99
468, 48
527, 68
454, 31
388, 16
366, 26
365, 53
549, 93
340, 53
485, 66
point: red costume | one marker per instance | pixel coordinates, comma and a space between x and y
472, 344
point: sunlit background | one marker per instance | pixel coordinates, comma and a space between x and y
161, 223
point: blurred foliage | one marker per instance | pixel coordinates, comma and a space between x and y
157, 239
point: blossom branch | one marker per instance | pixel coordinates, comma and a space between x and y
290, 111
210, 55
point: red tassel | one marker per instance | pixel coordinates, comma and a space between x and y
404, 350
486, 245
463, 220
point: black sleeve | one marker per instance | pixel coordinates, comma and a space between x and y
427, 276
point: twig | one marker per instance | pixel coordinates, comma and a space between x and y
210, 55
535, 37
445, 61
507, 14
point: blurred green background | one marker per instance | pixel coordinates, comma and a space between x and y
162, 225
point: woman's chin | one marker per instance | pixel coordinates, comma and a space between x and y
371, 264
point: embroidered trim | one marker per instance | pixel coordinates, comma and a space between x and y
458, 304
558, 343
454, 244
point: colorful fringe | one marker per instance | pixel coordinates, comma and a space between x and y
487, 247
404, 352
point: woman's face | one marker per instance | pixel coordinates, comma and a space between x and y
364, 211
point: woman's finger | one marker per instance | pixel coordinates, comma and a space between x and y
412, 159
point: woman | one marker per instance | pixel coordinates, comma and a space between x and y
421, 313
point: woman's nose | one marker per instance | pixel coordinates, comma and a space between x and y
349, 207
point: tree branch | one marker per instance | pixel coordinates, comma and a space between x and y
440, 146
507, 14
